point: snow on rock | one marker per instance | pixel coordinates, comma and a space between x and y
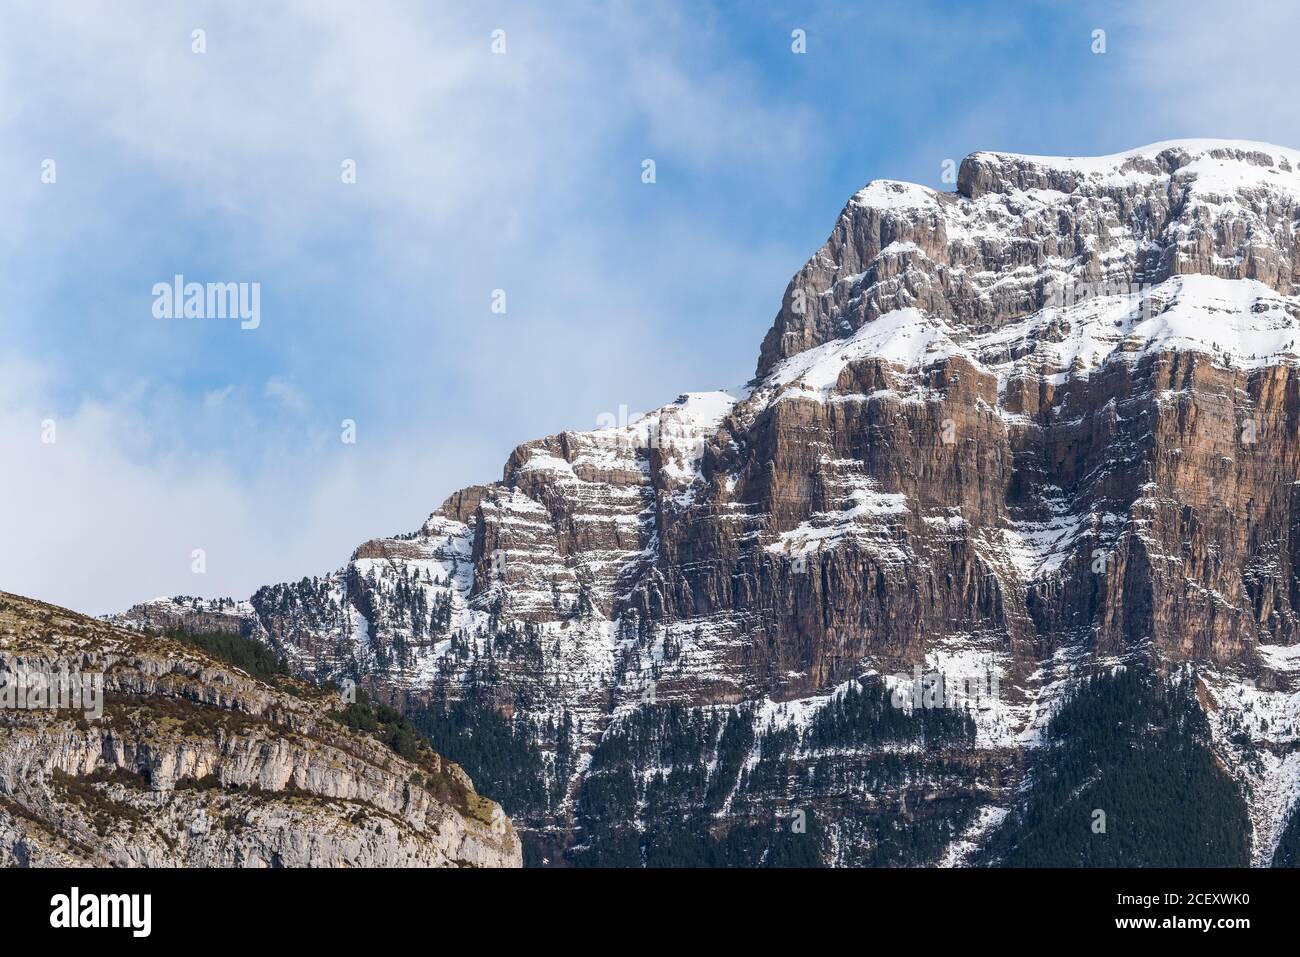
894, 195
905, 337
1258, 729
1209, 167
979, 262
866, 516
987, 820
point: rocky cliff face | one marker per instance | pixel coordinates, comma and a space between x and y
186, 761
1013, 435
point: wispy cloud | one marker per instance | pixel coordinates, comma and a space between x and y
473, 172
1207, 69
215, 398
287, 394
97, 515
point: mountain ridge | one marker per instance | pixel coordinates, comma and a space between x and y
1043, 427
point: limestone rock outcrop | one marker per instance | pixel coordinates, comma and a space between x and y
187, 761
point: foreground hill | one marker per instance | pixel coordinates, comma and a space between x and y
188, 761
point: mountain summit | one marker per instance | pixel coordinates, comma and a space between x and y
1039, 437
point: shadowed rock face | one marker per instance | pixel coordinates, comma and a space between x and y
194, 763
1047, 422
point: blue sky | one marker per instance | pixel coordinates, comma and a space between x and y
475, 172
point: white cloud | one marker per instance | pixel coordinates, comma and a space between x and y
473, 172
215, 398
1214, 70
287, 394
89, 523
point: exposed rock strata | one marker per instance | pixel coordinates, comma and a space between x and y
1044, 423
194, 763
